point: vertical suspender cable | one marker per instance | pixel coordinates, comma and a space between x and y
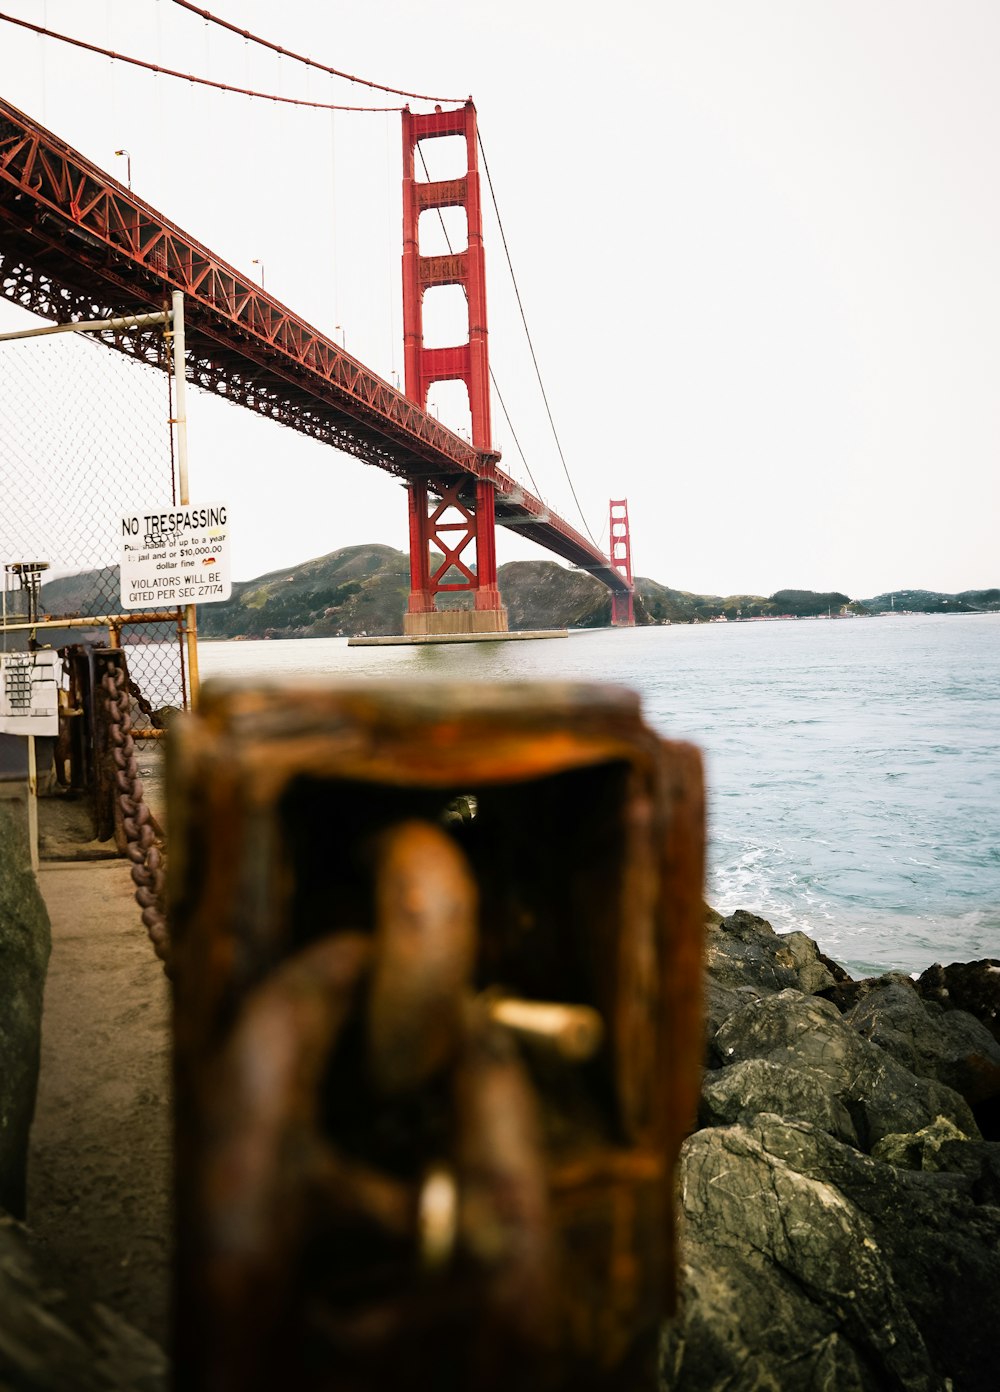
531, 346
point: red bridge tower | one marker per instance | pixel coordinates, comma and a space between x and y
455, 514
620, 546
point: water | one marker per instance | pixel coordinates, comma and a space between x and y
853, 766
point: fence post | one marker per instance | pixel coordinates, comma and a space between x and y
180, 421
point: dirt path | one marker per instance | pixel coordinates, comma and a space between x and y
99, 1176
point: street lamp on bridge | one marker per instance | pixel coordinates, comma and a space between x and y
128, 167
258, 262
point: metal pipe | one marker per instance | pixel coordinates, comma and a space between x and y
98, 621
574, 1031
127, 321
33, 803
180, 396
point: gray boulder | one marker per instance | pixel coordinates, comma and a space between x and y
971, 986
942, 1148
783, 1285
979, 1161
939, 1235
805, 1032
948, 1045
25, 943
807, 1263
744, 1090
744, 950
921, 1150
163, 718
721, 1002
53, 1339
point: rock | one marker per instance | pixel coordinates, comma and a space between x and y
971, 986
164, 717
937, 1236
811, 967
785, 1020
807, 1263
783, 1285
921, 1150
720, 1003
950, 1046
53, 1339
979, 1161
743, 950
807, 1032
942, 1148
839, 974
25, 943
846, 994
743, 1090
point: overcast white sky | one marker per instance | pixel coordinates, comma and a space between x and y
756, 241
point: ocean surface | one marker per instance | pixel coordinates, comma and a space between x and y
853, 765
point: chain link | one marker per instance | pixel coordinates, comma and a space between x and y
142, 848
140, 700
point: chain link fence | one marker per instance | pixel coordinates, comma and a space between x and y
85, 437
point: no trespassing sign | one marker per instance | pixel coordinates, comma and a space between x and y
175, 555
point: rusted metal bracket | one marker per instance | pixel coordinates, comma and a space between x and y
437, 971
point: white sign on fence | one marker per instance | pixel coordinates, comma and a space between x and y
173, 556
29, 693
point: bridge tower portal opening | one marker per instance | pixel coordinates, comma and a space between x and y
456, 514
620, 545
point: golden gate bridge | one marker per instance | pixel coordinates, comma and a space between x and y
75, 244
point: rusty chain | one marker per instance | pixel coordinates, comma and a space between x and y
142, 848
136, 693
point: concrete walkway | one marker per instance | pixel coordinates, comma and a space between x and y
99, 1171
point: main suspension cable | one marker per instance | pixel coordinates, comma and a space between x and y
185, 77
531, 346
336, 106
309, 62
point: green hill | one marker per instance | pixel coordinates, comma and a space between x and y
935, 602
88, 592
678, 606
364, 589
544, 594
359, 589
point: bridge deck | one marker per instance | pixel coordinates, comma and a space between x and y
76, 244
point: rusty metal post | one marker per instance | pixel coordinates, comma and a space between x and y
437, 971
104, 794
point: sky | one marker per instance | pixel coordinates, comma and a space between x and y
756, 243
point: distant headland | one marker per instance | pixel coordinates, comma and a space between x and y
364, 589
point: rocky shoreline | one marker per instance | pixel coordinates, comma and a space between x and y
840, 1197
